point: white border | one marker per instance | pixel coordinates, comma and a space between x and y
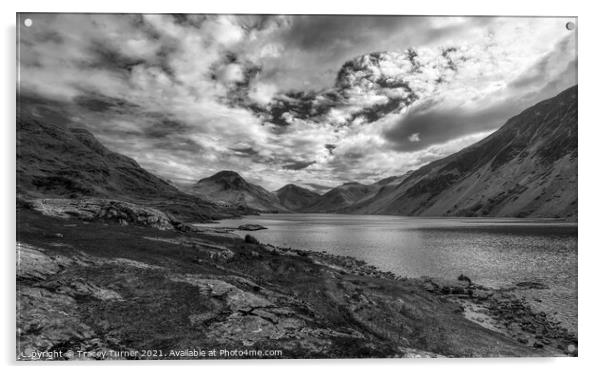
590, 109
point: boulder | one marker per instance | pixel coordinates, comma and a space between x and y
251, 239
121, 212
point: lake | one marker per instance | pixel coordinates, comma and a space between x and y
495, 252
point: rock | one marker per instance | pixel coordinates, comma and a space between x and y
464, 278
446, 286
120, 212
263, 313
251, 239
532, 285
415, 353
458, 290
429, 287
221, 256
46, 319
236, 299
78, 288
199, 320
537, 345
481, 294
251, 227
33, 263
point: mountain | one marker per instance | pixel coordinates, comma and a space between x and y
229, 188
340, 197
58, 158
295, 198
527, 168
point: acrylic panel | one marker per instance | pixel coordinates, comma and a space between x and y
213, 186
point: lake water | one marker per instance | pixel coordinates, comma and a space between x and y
492, 252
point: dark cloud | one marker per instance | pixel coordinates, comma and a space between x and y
166, 127
321, 44
424, 126
345, 34
301, 105
298, 165
101, 103
381, 75
378, 111
104, 56
245, 151
431, 123
179, 145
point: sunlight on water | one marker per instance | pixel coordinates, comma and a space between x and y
492, 252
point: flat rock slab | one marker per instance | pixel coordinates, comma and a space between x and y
251, 227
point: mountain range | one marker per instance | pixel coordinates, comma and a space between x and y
527, 168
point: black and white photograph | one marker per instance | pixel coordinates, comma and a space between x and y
295, 186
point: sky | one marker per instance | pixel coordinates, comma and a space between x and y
312, 100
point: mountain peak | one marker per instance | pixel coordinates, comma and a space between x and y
230, 188
291, 187
225, 174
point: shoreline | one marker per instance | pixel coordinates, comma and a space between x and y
471, 295
557, 300
233, 292
531, 327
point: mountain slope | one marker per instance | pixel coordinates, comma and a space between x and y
229, 188
57, 159
295, 198
527, 168
340, 197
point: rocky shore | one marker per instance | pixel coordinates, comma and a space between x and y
107, 276
502, 310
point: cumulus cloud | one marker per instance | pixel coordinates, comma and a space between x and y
262, 93
315, 100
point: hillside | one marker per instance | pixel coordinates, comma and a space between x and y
527, 168
59, 159
340, 197
295, 198
230, 189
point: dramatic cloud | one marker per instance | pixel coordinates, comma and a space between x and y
313, 100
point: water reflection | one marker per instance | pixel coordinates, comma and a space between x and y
492, 252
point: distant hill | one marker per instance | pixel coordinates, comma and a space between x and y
55, 158
340, 197
228, 187
295, 198
527, 168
